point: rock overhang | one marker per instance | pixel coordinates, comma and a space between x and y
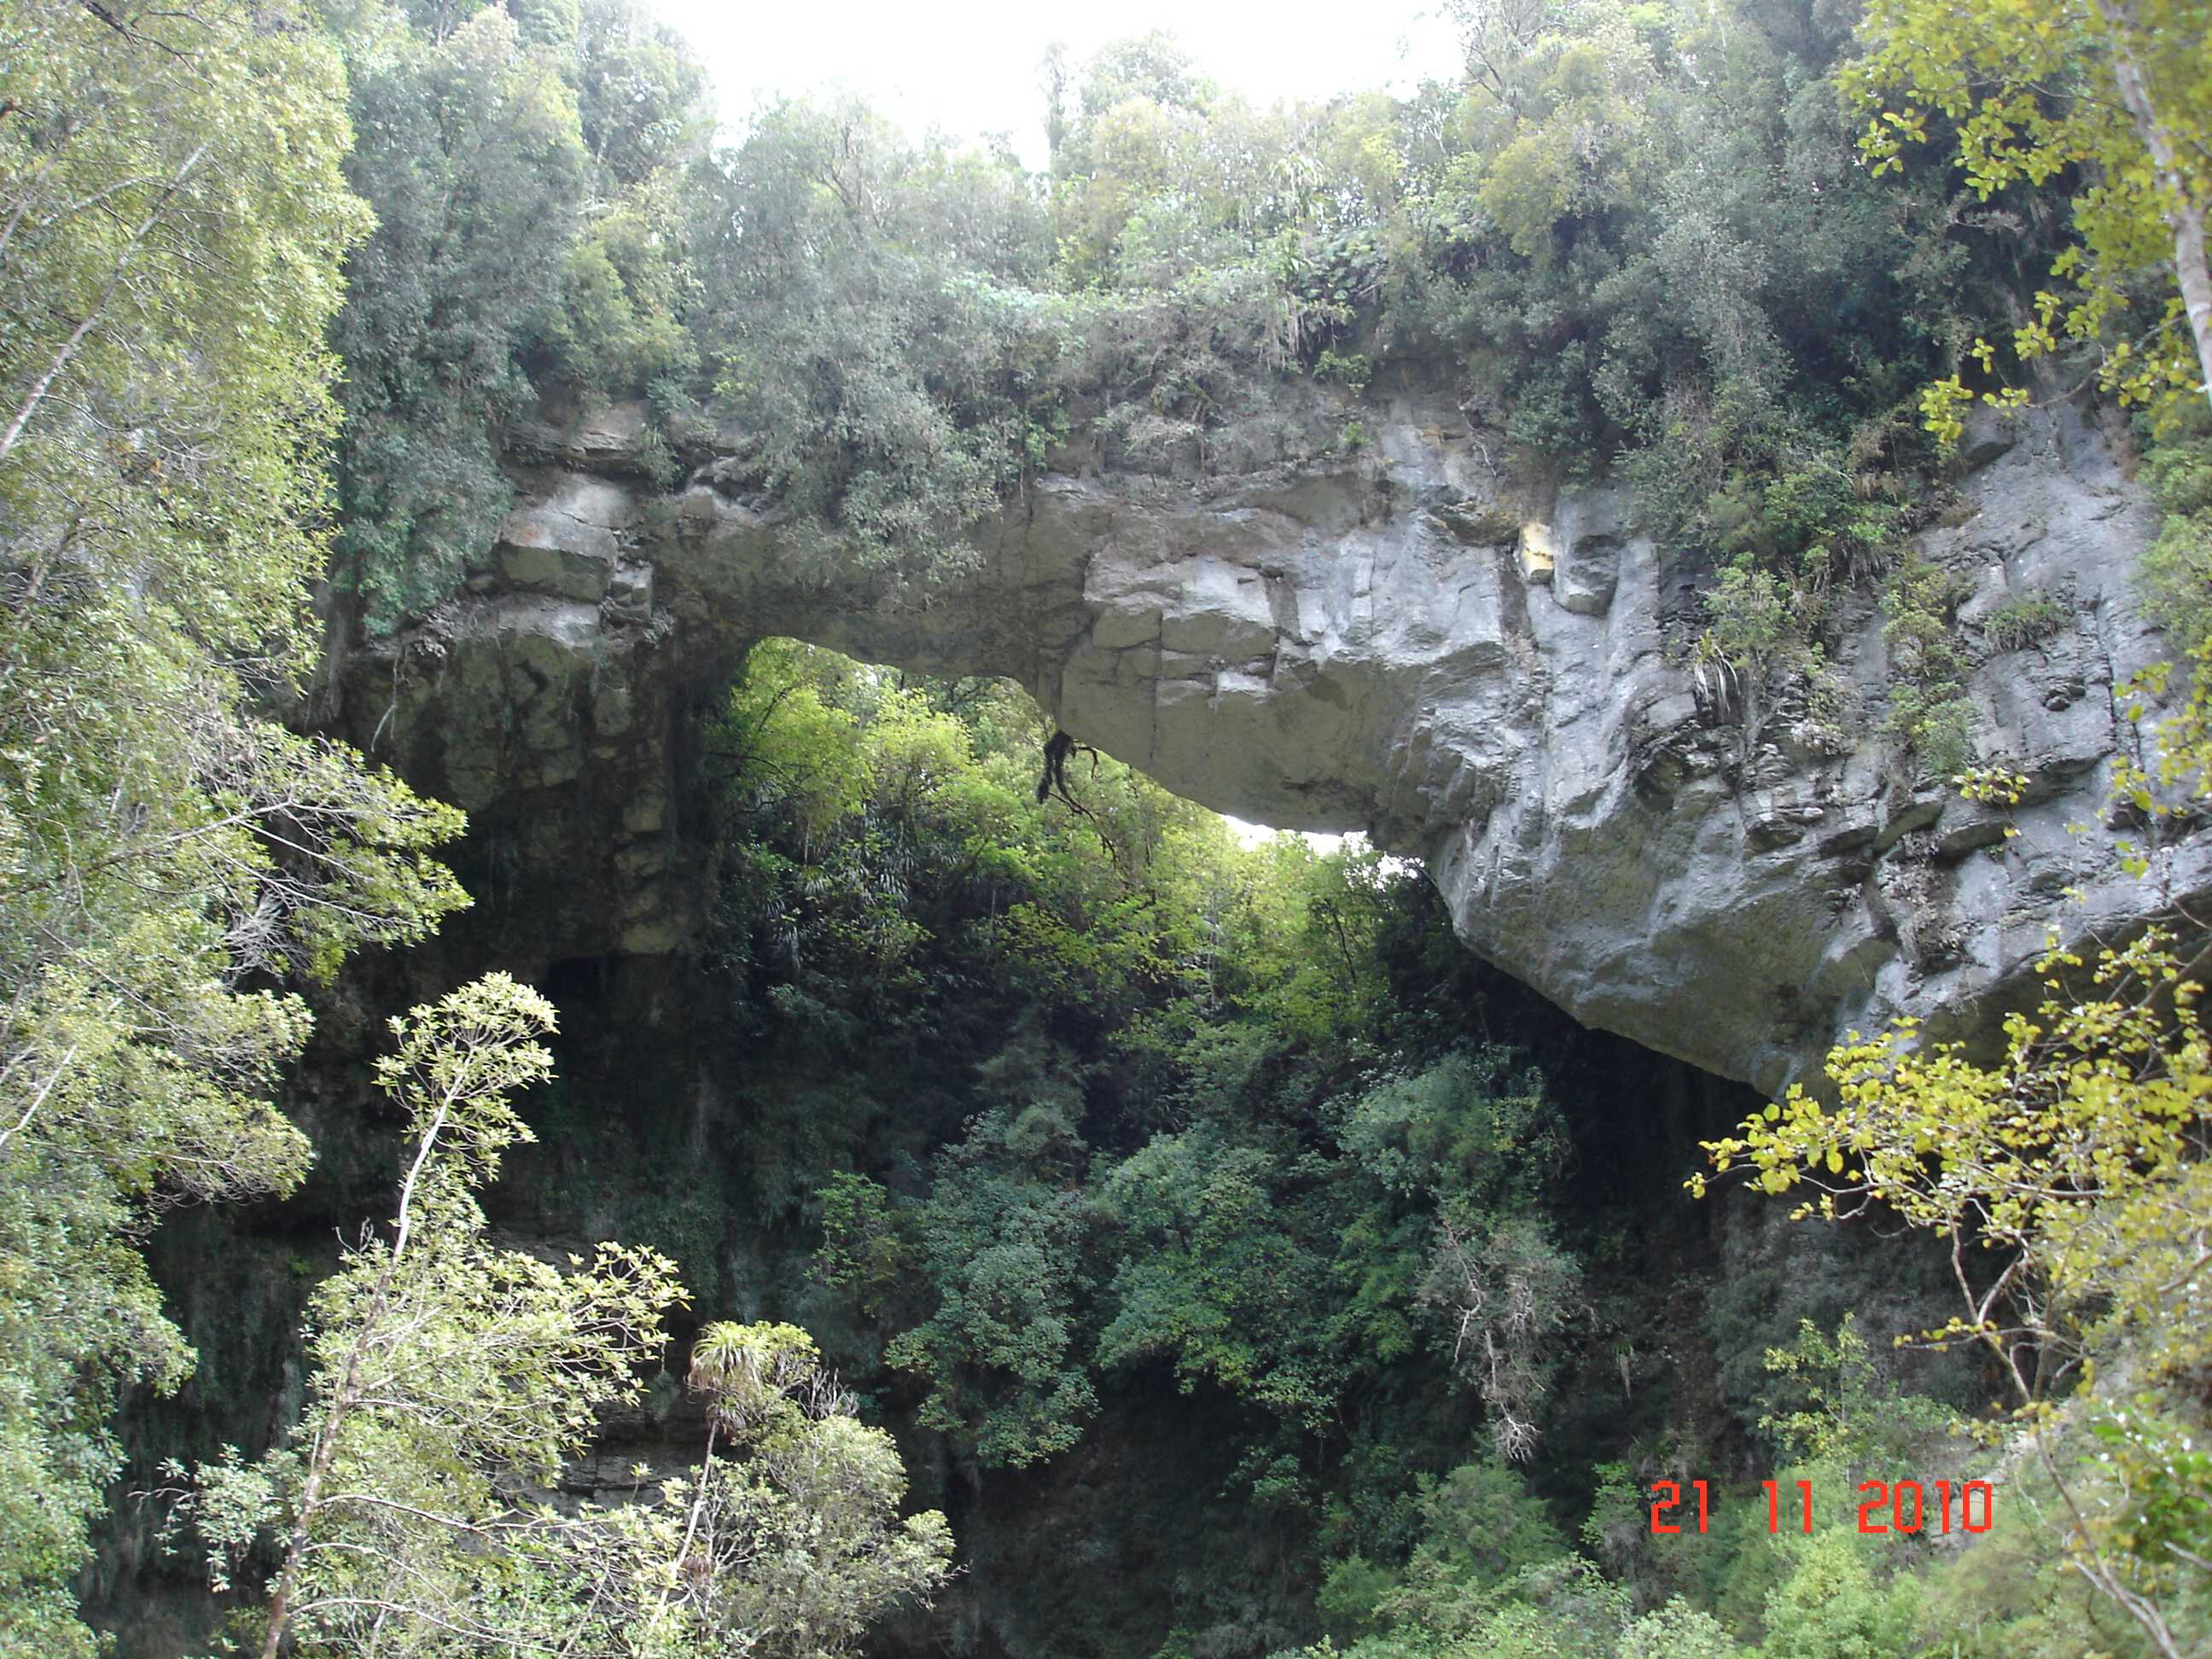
1398, 643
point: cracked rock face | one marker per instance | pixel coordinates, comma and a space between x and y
1390, 642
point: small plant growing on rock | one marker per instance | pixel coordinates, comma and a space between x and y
1349, 369
1929, 709
2023, 619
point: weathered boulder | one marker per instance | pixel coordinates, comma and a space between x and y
1392, 641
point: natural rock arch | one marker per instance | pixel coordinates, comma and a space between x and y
1384, 642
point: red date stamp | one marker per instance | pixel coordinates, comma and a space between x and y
1905, 1506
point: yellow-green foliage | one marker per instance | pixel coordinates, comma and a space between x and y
2067, 1179
2075, 1155
2028, 91
1836, 1604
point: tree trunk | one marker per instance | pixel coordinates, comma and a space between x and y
68, 347
2183, 213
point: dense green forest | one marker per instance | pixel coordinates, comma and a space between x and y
1169, 1233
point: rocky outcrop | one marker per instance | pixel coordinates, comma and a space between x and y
1388, 639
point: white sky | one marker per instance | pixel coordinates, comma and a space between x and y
971, 68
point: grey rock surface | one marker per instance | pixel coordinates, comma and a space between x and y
1391, 642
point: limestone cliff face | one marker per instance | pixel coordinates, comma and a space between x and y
1387, 641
